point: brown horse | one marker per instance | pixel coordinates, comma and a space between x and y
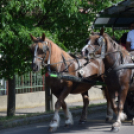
46, 52
120, 81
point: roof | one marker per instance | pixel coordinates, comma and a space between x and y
119, 16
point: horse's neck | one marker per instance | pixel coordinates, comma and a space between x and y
56, 57
111, 59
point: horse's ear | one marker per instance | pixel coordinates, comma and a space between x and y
43, 36
33, 38
102, 31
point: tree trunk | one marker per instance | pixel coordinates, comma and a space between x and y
11, 97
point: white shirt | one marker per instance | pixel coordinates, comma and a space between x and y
130, 38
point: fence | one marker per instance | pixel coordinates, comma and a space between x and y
2, 87
30, 82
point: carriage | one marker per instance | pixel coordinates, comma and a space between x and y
113, 60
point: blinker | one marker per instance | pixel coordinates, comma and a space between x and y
45, 48
101, 42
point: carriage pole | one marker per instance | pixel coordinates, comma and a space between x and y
49, 98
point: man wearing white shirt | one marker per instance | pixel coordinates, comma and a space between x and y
130, 38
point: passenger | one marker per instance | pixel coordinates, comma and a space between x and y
130, 38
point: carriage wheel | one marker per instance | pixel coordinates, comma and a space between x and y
129, 105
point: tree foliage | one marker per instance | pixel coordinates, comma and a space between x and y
66, 22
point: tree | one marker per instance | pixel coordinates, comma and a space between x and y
66, 22
63, 21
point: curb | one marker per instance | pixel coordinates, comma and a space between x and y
46, 117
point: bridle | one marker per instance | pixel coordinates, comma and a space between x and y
45, 49
102, 45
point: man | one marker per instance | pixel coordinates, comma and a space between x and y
130, 38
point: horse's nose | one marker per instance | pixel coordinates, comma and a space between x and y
34, 67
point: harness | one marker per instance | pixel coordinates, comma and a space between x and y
61, 75
102, 43
46, 48
66, 66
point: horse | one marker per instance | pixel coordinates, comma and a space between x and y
117, 80
46, 52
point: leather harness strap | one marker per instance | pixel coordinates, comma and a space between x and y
66, 66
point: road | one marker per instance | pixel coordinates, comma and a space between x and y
95, 125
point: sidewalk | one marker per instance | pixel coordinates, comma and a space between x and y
42, 109
41, 116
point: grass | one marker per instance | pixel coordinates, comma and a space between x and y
5, 118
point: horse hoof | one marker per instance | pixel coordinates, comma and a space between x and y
52, 129
82, 122
115, 129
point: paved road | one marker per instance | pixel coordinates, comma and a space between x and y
95, 125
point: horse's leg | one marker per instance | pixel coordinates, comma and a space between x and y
60, 102
55, 120
68, 115
85, 97
119, 110
109, 115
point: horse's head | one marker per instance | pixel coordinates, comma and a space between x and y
98, 43
41, 50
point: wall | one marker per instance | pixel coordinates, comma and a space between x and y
35, 99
